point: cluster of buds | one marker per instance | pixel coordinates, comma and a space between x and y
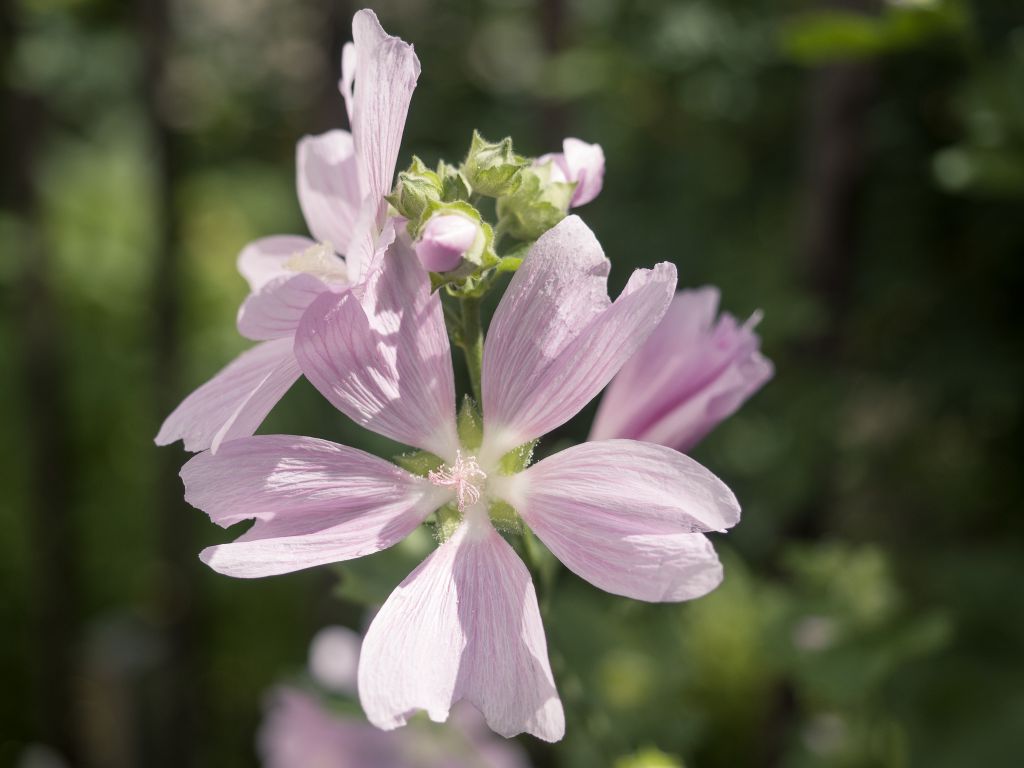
451, 237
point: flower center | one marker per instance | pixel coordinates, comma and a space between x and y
321, 261
464, 476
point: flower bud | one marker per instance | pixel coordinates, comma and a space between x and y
492, 167
417, 188
579, 163
446, 239
689, 375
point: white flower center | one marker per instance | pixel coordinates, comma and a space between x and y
464, 476
321, 261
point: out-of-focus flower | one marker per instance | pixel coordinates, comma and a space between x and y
334, 658
629, 517
581, 163
446, 240
341, 179
300, 730
691, 373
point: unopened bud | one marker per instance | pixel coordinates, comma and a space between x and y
447, 239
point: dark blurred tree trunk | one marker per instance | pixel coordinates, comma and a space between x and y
552, 18
178, 698
48, 442
840, 97
839, 100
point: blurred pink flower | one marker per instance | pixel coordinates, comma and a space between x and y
341, 179
299, 732
691, 373
580, 162
627, 516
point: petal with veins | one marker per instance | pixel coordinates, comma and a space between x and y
556, 338
628, 517
384, 359
464, 625
234, 402
314, 502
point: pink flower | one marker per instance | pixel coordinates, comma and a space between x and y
580, 162
627, 516
298, 731
341, 179
690, 374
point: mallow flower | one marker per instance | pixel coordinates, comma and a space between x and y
629, 517
580, 163
689, 375
341, 180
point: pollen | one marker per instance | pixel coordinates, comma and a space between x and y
464, 476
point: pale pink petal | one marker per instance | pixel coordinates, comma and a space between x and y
369, 243
234, 402
556, 339
314, 502
690, 374
275, 310
464, 625
586, 167
384, 360
628, 517
327, 180
386, 70
263, 260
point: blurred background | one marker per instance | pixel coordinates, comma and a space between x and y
856, 171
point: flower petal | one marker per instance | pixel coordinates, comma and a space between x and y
263, 260
556, 339
586, 167
384, 359
689, 375
314, 502
386, 70
628, 516
234, 402
464, 625
275, 310
327, 181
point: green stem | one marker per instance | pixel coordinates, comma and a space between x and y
473, 342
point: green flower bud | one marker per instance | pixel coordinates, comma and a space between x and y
492, 168
536, 205
416, 189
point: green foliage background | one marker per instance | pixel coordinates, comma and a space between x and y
857, 173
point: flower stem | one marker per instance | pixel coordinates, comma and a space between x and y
472, 338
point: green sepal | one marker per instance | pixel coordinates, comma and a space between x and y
470, 425
417, 187
454, 184
492, 168
536, 205
517, 459
448, 519
504, 517
418, 462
